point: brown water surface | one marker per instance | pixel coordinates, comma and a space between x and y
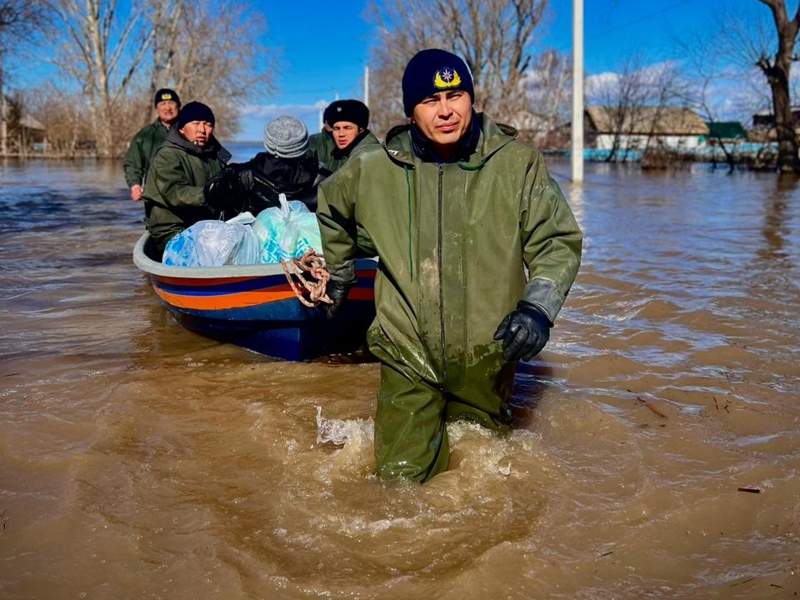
138, 460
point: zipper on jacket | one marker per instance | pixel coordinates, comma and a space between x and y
440, 245
410, 225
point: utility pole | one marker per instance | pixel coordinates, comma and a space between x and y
366, 86
3, 124
577, 91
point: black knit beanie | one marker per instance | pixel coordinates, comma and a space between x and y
431, 71
165, 94
354, 111
194, 111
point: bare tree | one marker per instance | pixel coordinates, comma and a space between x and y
218, 60
709, 72
117, 54
492, 36
404, 30
19, 20
767, 45
102, 51
65, 118
548, 86
777, 70
634, 101
165, 18
621, 96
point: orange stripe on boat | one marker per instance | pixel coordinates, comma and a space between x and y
240, 300
243, 299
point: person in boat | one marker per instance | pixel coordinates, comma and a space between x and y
477, 248
186, 182
145, 143
286, 167
321, 144
349, 123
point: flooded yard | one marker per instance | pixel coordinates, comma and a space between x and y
655, 455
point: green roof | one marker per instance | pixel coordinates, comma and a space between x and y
726, 130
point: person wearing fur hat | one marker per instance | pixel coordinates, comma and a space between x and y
286, 167
348, 121
478, 249
148, 139
186, 182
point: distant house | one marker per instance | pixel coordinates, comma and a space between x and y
729, 132
766, 120
25, 133
541, 130
638, 128
764, 126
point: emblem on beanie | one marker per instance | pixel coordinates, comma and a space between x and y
446, 78
165, 96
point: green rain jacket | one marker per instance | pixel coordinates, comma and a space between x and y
454, 243
140, 151
173, 192
325, 149
321, 145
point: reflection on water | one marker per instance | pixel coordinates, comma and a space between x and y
140, 460
776, 228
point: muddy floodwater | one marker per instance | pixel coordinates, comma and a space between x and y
656, 452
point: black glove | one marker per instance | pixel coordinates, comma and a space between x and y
337, 292
244, 181
219, 189
524, 332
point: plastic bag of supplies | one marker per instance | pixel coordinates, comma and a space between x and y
287, 231
214, 244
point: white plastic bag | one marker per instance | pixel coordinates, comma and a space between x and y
249, 250
212, 244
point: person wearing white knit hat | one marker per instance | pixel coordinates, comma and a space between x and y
286, 167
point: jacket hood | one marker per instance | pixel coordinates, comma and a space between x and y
493, 137
210, 150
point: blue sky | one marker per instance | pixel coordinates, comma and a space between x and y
326, 45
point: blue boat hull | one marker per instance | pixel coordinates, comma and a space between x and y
254, 307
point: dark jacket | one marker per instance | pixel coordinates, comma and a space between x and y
173, 191
141, 150
295, 177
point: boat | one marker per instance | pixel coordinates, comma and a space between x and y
254, 306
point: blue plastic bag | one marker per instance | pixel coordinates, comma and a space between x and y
287, 231
212, 244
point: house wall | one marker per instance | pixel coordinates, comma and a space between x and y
605, 141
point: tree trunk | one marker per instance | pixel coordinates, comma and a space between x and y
777, 72
784, 127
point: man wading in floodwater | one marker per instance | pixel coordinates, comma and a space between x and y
456, 210
149, 138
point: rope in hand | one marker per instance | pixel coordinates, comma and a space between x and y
313, 287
